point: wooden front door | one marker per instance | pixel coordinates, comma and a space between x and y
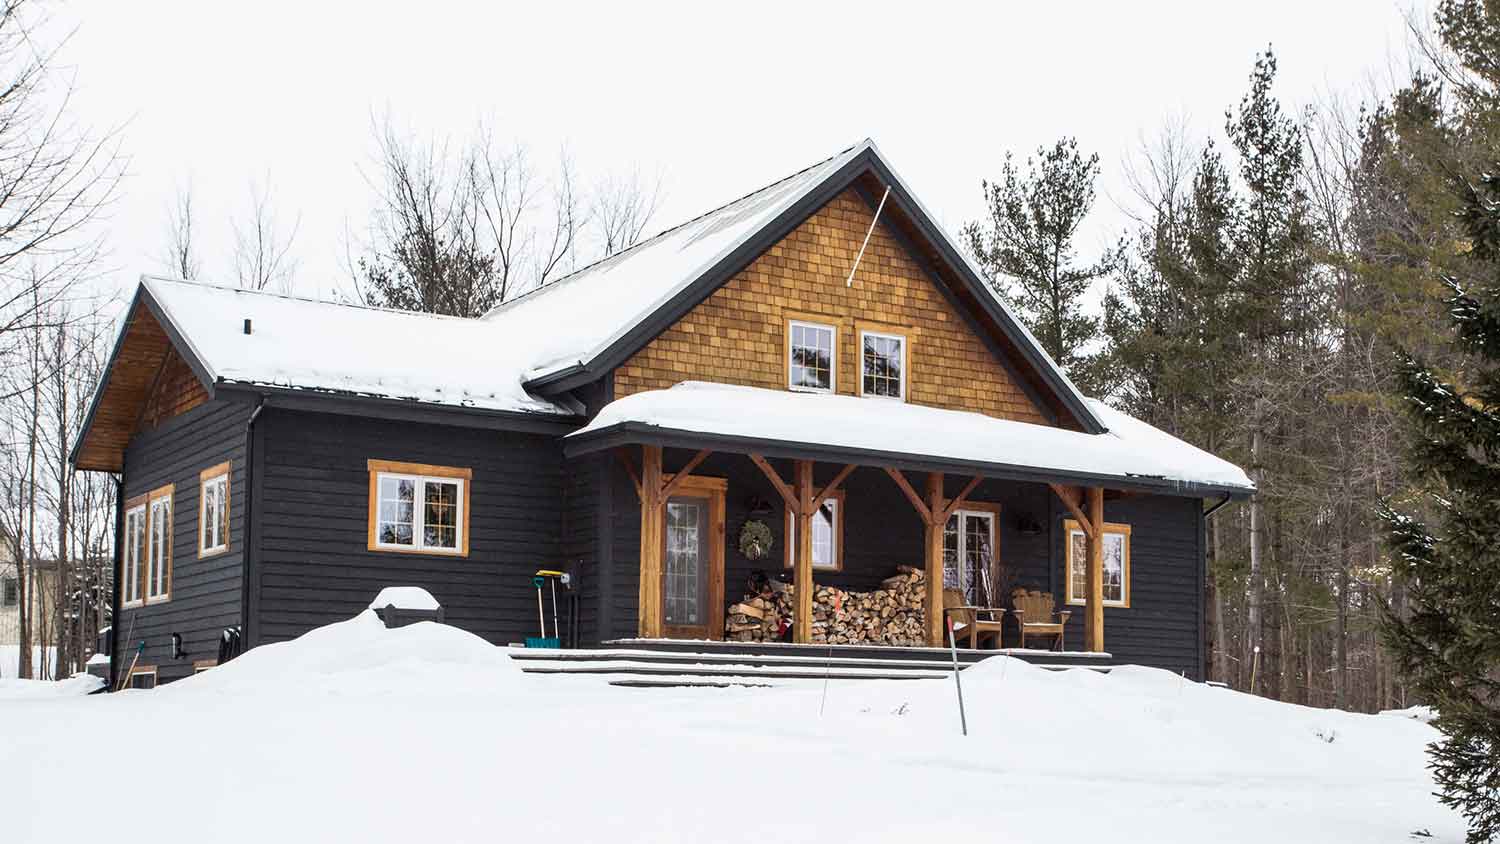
692, 588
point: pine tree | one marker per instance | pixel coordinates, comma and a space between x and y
1026, 246
1449, 647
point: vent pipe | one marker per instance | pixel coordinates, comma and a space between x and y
247, 325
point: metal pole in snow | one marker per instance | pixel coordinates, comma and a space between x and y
857, 258
963, 719
556, 631
541, 614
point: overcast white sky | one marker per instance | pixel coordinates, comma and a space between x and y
718, 102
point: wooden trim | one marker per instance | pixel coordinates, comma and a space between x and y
833, 485
204, 477
622, 454
130, 506
862, 327
204, 664
911, 494
789, 497
840, 517
166, 491
424, 470
833, 323
714, 490
956, 504
1066, 493
1069, 525
653, 539
673, 480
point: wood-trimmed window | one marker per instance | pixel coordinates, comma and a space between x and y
158, 568
971, 553
133, 577
811, 356
142, 677
213, 510
418, 508
1116, 564
828, 535
202, 665
884, 361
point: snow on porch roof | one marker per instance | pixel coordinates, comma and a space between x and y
331, 347
1131, 454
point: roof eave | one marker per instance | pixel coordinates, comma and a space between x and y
638, 433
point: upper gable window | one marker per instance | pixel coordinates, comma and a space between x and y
417, 507
810, 353
882, 364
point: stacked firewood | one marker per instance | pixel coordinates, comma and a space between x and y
891, 615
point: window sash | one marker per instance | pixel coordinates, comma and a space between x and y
1116, 567
872, 381
159, 549
213, 515
135, 553
812, 336
827, 533
420, 504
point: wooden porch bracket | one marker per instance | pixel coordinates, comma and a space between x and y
832, 486
687, 470
958, 502
622, 455
1066, 494
793, 503
911, 494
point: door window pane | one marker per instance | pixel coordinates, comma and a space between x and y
683, 567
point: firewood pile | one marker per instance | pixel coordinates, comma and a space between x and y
890, 615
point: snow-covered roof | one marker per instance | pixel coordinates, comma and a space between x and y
1131, 451
325, 346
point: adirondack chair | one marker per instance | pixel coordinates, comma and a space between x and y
970, 618
1036, 615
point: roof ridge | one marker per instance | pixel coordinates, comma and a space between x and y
308, 299
552, 285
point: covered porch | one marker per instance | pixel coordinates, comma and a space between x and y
910, 486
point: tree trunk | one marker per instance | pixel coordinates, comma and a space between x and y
1255, 587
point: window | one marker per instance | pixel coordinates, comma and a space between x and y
213, 510
419, 508
810, 356
10, 591
135, 552
1116, 564
882, 364
970, 558
143, 677
202, 665
827, 534
159, 545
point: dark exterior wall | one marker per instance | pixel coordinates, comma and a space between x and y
313, 566
1161, 628
584, 486
205, 593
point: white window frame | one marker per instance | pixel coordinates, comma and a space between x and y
1110, 529
419, 515
133, 576
219, 485
905, 361
992, 518
835, 544
159, 589
833, 356
143, 671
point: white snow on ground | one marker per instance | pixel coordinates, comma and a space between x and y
78, 684
405, 597
1131, 448
10, 661
356, 732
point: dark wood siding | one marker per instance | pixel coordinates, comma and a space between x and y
313, 566
584, 481
205, 593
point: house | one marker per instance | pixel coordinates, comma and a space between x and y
811, 382
40, 595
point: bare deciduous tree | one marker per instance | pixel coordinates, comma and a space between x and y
262, 254
181, 255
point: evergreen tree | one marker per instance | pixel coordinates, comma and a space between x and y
1026, 246
1449, 647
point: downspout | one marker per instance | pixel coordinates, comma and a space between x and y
1214, 509
249, 519
114, 598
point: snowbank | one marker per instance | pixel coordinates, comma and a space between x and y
78, 684
357, 732
405, 598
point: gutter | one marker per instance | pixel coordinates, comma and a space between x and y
114, 600
248, 520
1214, 509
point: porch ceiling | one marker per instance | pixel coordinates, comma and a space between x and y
1131, 455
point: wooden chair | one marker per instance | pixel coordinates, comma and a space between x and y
970, 617
1036, 615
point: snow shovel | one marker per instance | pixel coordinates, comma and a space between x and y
542, 577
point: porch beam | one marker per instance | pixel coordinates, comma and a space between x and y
911, 495
648, 621
934, 554
788, 497
833, 485
687, 470
1093, 620
623, 455
802, 578
963, 496
1077, 511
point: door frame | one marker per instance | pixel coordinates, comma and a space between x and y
997, 562
714, 489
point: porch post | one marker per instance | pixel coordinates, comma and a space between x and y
648, 624
934, 553
802, 621
1093, 619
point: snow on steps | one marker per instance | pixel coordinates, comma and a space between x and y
644, 667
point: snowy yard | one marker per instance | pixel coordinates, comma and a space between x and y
355, 732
